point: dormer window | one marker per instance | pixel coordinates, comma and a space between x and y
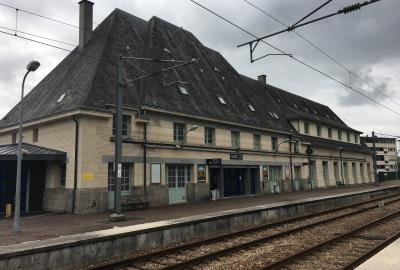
61, 98
251, 107
221, 100
183, 90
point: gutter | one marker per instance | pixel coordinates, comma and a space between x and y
75, 118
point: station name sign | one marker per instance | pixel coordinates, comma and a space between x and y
213, 161
236, 156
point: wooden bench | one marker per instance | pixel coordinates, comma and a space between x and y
133, 202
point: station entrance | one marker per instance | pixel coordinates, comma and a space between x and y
234, 181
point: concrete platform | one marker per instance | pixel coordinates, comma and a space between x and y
196, 221
386, 259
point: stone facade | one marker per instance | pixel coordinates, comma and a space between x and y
96, 150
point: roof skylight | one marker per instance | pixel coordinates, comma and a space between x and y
251, 107
221, 100
276, 115
183, 90
61, 98
295, 105
216, 69
166, 50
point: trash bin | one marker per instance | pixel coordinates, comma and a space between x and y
214, 195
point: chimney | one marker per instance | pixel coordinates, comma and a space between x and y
85, 22
262, 79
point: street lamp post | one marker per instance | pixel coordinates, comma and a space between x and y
31, 67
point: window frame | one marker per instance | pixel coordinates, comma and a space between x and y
235, 137
274, 143
206, 135
125, 177
257, 142
329, 133
126, 125
319, 130
63, 174
35, 135
179, 138
339, 135
307, 128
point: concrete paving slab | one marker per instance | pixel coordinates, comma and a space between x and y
386, 259
58, 225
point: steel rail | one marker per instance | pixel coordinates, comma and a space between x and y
353, 264
168, 251
278, 264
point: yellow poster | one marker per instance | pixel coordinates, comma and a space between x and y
88, 176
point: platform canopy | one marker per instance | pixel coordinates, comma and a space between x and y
31, 152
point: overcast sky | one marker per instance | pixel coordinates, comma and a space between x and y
366, 42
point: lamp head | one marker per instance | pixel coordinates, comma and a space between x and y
193, 127
32, 66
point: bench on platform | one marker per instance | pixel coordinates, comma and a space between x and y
133, 202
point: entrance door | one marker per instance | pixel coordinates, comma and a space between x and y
275, 173
125, 180
297, 174
177, 176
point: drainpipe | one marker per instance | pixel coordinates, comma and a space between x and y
291, 161
145, 162
75, 118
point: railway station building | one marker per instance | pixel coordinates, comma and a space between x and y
186, 132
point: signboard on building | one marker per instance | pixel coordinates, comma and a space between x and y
236, 156
214, 161
201, 172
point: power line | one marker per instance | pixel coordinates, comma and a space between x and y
38, 36
296, 59
41, 16
344, 10
322, 51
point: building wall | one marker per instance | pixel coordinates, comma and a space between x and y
96, 149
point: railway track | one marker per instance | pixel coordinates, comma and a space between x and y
350, 249
205, 254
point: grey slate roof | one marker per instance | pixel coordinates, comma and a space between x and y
88, 79
30, 152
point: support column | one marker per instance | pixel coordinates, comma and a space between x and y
247, 187
221, 182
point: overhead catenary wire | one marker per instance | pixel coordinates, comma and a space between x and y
39, 15
323, 52
38, 36
298, 60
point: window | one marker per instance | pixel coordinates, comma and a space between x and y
183, 90
306, 128
274, 143
251, 107
296, 146
319, 130
179, 132
61, 98
209, 134
325, 170
355, 138
221, 100
348, 136
353, 165
35, 135
155, 173
339, 135
330, 133
177, 175
235, 139
336, 171
125, 176
63, 174
126, 123
257, 141
14, 138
